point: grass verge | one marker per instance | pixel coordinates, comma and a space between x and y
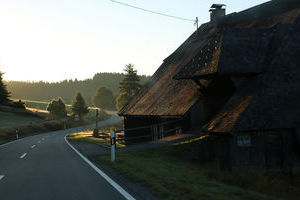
87, 136
2, 141
173, 177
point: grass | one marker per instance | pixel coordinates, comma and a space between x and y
12, 119
41, 106
38, 110
2, 141
87, 136
34, 121
171, 176
279, 185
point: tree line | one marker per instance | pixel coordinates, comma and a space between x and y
46, 91
103, 97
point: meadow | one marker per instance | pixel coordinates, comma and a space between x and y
170, 174
12, 119
41, 106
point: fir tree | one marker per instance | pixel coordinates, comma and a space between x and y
4, 94
128, 87
130, 84
78, 106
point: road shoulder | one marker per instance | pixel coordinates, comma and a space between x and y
91, 151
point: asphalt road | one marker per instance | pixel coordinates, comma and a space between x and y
46, 167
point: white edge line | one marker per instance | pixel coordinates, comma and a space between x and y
7, 143
1, 176
107, 178
32, 146
22, 156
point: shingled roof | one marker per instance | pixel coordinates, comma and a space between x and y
244, 43
162, 95
271, 99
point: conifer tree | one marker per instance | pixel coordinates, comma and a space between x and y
130, 84
78, 106
128, 87
4, 94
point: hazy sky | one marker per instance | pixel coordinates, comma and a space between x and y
53, 40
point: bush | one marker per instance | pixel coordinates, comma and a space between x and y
91, 116
57, 108
17, 104
104, 99
123, 100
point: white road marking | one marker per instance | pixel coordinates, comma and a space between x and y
39, 141
107, 178
22, 156
32, 146
2, 145
1, 177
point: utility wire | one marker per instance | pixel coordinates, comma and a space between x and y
151, 11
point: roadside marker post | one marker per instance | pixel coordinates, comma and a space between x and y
17, 134
65, 124
96, 131
113, 146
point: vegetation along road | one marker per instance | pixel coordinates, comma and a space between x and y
46, 166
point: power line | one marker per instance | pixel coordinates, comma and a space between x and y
153, 12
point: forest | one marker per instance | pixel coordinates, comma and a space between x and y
66, 89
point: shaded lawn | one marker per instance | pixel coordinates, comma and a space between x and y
2, 141
173, 178
12, 119
170, 175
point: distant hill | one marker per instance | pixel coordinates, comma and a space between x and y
45, 91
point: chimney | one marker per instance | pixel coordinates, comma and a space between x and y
217, 12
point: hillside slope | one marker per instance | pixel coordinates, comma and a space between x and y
45, 91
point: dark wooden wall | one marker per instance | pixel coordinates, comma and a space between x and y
154, 129
270, 150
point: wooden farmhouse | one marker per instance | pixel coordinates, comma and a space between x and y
237, 79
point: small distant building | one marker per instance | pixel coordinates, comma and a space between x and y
236, 79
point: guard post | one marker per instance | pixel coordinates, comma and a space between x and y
17, 134
113, 146
96, 132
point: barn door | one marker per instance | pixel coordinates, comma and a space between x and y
154, 132
161, 131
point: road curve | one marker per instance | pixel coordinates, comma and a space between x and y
46, 167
